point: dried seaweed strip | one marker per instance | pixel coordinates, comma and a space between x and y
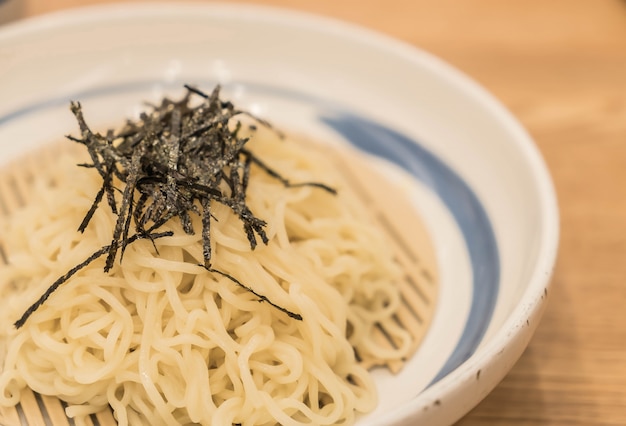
120, 232
206, 231
62, 279
93, 208
261, 297
273, 173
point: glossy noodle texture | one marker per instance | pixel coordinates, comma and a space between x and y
165, 342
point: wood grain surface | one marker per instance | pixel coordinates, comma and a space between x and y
560, 67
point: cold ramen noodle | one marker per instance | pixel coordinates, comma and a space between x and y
199, 268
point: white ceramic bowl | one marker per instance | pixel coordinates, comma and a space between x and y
478, 180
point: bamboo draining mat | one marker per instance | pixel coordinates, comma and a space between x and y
404, 228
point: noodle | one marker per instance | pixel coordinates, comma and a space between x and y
164, 341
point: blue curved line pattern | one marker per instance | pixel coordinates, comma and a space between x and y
389, 144
462, 202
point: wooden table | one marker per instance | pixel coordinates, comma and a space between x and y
560, 67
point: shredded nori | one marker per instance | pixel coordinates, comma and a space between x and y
174, 161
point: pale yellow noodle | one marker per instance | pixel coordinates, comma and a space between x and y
164, 342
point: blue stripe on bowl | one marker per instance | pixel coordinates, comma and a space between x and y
462, 203
384, 142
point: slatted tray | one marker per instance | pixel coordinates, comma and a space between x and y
402, 225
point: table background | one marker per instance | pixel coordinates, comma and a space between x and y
560, 67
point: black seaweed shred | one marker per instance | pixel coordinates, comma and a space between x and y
174, 161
